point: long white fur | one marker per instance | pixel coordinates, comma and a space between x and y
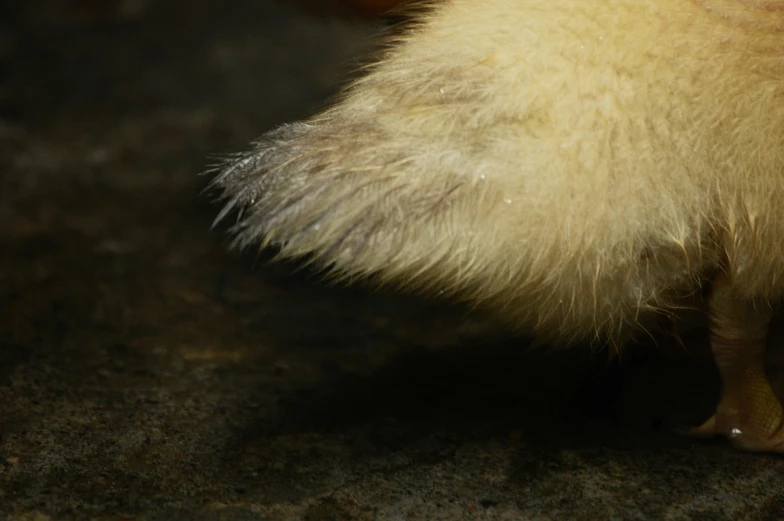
574, 164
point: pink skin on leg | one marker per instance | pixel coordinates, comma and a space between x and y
748, 413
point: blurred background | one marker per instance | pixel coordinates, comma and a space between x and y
149, 372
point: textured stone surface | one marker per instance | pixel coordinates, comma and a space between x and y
148, 373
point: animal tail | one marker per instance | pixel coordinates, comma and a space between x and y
363, 200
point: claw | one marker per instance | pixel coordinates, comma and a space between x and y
751, 440
706, 430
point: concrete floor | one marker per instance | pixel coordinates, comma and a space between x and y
146, 372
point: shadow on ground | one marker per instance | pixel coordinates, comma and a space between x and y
146, 372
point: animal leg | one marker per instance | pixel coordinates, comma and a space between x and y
748, 412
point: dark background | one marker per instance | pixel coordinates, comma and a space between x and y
147, 372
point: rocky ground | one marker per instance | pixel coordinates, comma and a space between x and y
147, 372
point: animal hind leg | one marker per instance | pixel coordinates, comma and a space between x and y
748, 412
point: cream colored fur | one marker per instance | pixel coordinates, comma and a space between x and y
574, 164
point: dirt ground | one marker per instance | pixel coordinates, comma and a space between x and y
147, 372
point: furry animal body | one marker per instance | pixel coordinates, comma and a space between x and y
576, 166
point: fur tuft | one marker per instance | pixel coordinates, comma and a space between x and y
576, 166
